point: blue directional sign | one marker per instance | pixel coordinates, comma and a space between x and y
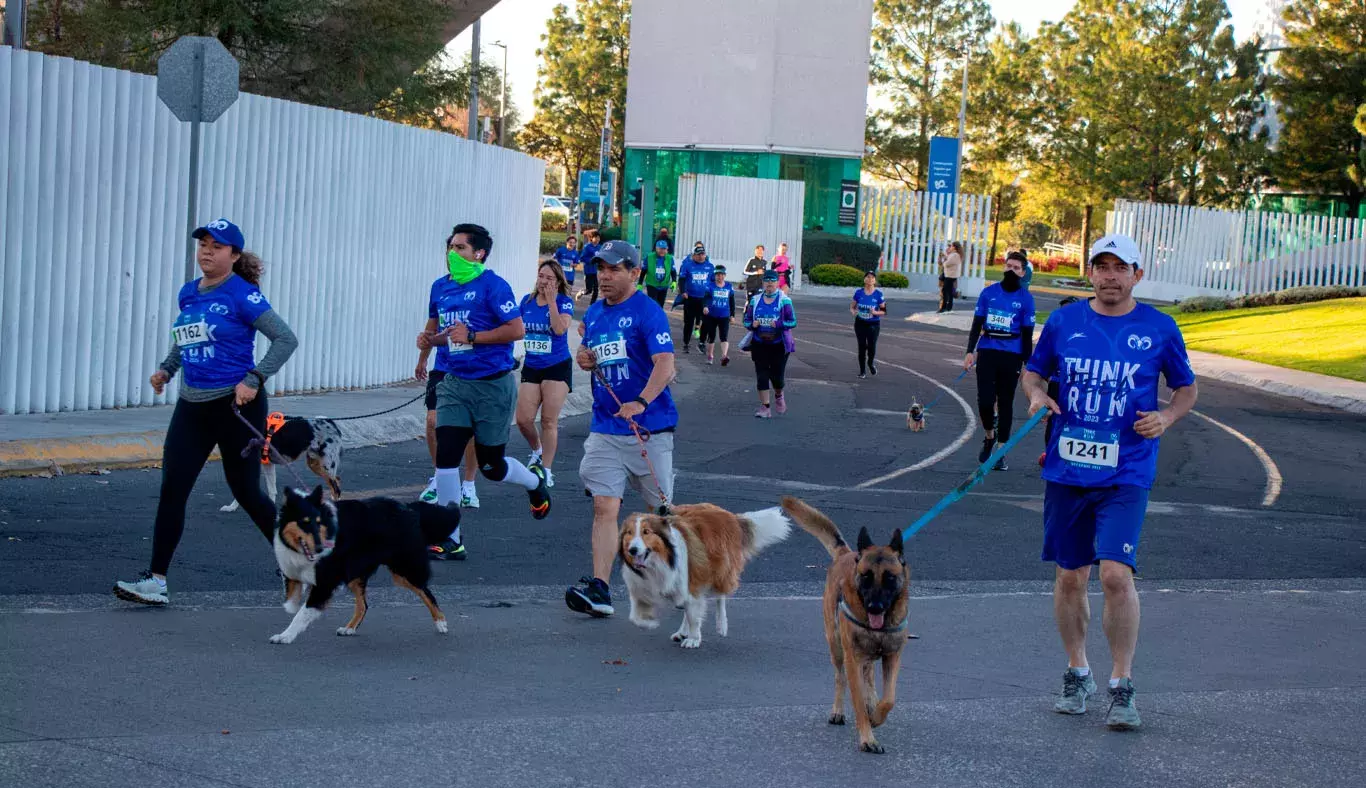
944, 170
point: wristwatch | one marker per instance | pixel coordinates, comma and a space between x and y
470, 336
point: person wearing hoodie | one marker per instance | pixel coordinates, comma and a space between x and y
1001, 339
694, 284
771, 318
658, 273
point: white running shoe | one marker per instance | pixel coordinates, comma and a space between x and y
429, 495
549, 477
146, 590
469, 499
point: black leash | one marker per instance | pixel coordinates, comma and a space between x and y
371, 415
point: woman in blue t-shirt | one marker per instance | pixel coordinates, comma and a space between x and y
212, 343
867, 307
547, 374
999, 343
770, 317
718, 307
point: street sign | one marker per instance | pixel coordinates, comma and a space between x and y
944, 170
848, 215
197, 79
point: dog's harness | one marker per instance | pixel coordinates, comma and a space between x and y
261, 443
849, 614
274, 422
642, 435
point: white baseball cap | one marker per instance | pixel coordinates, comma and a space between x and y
1121, 246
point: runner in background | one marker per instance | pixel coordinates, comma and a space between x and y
771, 316
1001, 339
754, 273
717, 310
783, 266
658, 273
694, 284
547, 373
568, 256
868, 307
590, 270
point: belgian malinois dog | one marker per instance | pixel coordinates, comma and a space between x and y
865, 607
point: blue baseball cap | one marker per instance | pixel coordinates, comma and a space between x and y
661, 244
224, 232
770, 275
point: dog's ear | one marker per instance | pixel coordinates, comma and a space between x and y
864, 540
316, 497
895, 544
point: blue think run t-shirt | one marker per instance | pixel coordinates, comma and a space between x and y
1108, 370
567, 257
718, 302
483, 304
1008, 315
544, 348
624, 339
586, 257
215, 334
865, 303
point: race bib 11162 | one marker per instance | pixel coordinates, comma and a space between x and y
188, 334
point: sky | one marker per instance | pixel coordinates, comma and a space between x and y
520, 23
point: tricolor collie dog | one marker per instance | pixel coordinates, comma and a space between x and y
320, 545
317, 440
694, 552
865, 607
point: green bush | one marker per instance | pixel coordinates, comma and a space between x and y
1204, 304
610, 233
551, 241
554, 221
892, 279
1292, 295
836, 275
834, 249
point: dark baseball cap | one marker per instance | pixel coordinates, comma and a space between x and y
222, 231
617, 253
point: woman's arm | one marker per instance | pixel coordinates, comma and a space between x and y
283, 343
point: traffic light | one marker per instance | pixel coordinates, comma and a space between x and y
633, 198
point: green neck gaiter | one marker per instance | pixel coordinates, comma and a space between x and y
463, 271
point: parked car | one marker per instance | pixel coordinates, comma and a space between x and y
552, 203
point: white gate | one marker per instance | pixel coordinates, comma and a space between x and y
1192, 251
731, 216
914, 227
349, 213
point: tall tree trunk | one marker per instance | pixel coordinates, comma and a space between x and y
1085, 236
995, 225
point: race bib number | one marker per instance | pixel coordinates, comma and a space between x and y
1089, 447
865, 311
612, 352
999, 321
659, 272
700, 277
538, 345
189, 334
456, 347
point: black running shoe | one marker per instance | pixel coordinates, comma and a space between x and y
872, 368
592, 598
1000, 465
446, 551
987, 445
540, 497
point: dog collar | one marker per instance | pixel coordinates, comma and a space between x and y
849, 614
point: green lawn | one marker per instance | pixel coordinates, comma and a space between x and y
1328, 337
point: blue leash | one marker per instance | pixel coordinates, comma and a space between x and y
918, 411
957, 493
961, 375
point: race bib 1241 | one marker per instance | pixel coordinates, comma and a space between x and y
1089, 447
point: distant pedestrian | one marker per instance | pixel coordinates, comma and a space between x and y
694, 284
568, 257
782, 264
1023, 256
717, 311
868, 308
668, 242
658, 273
212, 343
754, 272
592, 239
950, 269
771, 316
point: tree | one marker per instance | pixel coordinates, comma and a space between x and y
918, 49
583, 65
1320, 84
439, 87
347, 54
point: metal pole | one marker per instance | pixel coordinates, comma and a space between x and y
197, 108
603, 165
16, 19
503, 98
963, 107
472, 132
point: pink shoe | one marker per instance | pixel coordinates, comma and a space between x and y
781, 403
763, 413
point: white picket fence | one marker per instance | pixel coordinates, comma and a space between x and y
1201, 251
913, 228
731, 215
349, 213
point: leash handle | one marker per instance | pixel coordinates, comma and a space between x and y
957, 493
263, 443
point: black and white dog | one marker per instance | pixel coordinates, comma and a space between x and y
317, 439
320, 545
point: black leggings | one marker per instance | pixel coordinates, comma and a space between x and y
197, 427
770, 362
657, 293
590, 287
714, 328
692, 316
998, 372
866, 332
450, 450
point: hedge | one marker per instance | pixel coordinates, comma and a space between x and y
892, 279
1292, 295
836, 275
819, 248
554, 221
551, 241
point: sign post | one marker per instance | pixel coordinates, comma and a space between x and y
944, 172
603, 158
197, 80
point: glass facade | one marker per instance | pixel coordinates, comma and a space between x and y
821, 174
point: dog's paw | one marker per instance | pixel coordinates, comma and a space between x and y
645, 623
292, 606
879, 714
691, 642
229, 507
871, 746
722, 628
346, 631
282, 638
442, 627
835, 719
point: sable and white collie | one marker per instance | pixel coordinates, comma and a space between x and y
692, 553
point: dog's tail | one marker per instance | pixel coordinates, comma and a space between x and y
437, 522
764, 528
816, 524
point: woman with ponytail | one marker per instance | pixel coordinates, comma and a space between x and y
212, 341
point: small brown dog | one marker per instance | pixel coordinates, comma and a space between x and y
865, 608
915, 417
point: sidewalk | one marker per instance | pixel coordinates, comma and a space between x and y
1340, 393
82, 441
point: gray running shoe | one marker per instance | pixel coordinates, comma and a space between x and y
145, 590
1123, 714
1076, 688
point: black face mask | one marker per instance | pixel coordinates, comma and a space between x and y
1010, 281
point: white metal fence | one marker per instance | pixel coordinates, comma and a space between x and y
1200, 251
349, 213
914, 227
732, 215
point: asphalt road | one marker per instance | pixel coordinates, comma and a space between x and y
1247, 665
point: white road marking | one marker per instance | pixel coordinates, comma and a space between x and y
1274, 481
